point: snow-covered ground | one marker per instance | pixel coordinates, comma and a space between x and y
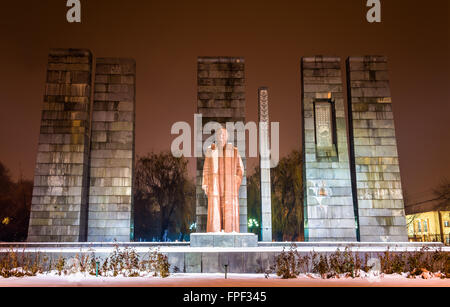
218, 280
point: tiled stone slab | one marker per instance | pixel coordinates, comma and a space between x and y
224, 240
374, 151
328, 192
211, 263
59, 204
201, 240
112, 151
193, 262
177, 261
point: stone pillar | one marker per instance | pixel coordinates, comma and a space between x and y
59, 204
220, 98
329, 210
375, 159
264, 163
112, 151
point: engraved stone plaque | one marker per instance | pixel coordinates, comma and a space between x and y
323, 124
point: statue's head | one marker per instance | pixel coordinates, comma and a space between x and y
221, 137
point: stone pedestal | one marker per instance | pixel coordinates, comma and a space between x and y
218, 239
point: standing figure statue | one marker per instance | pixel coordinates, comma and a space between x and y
222, 176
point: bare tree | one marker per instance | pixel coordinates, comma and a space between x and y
15, 203
410, 220
185, 216
5, 180
162, 183
442, 193
254, 200
287, 198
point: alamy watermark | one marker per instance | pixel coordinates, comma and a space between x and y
74, 11
374, 13
181, 145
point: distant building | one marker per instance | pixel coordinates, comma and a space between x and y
431, 226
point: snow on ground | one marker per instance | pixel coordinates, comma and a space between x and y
217, 280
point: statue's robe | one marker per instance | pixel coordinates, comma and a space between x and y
222, 177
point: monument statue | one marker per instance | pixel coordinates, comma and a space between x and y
222, 176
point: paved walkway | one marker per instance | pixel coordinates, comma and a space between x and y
215, 280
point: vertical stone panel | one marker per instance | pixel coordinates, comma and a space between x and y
377, 184
329, 211
220, 98
264, 163
112, 151
59, 204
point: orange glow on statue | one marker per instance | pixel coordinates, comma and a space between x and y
222, 176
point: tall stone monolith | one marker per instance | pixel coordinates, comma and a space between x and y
376, 183
59, 203
328, 204
112, 151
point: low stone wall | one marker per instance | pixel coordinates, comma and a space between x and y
183, 258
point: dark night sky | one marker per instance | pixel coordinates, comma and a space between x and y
165, 38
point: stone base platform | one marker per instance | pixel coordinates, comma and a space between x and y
222, 239
188, 259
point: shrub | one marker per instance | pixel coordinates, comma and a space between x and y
125, 262
156, 263
320, 265
11, 266
162, 265
60, 265
289, 264
392, 262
